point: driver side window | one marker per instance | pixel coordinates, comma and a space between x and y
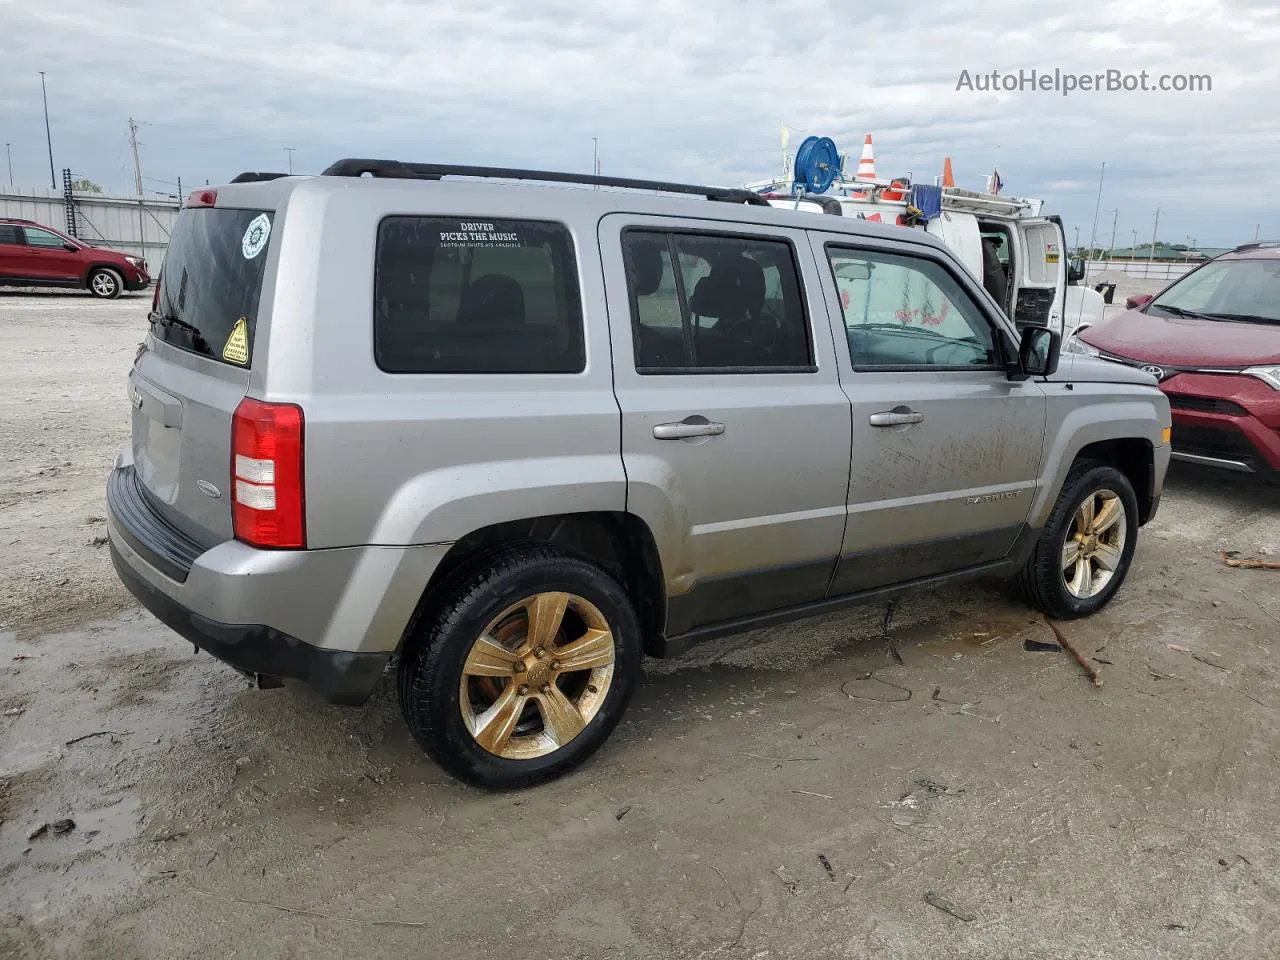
902, 311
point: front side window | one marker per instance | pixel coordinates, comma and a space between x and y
43, 238
902, 311
1226, 290
707, 302
476, 296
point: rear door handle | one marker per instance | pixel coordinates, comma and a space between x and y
690, 427
895, 418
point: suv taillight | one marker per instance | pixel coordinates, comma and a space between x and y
268, 503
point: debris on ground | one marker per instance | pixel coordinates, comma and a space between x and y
884, 631
1232, 558
57, 828
809, 793
826, 865
946, 906
97, 733
792, 884
902, 696
1195, 656
622, 812
1088, 668
1039, 646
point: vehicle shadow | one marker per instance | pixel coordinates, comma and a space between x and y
1223, 486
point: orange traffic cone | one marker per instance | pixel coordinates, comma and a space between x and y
867, 162
948, 180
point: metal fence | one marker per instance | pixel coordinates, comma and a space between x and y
135, 225
1141, 269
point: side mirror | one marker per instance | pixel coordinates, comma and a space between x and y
1038, 352
1075, 269
70, 248
1140, 300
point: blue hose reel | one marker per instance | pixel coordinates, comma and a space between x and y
817, 165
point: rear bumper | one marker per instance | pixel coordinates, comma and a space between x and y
331, 618
259, 650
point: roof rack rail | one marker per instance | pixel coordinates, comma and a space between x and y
1256, 246
257, 176
396, 169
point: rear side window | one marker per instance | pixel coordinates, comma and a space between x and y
702, 302
212, 281
9, 234
476, 296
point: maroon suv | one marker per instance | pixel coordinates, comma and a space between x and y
1212, 339
32, 255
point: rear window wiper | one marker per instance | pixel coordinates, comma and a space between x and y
197, 338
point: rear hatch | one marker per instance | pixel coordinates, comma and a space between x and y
185, 388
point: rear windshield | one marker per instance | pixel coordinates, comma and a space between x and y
455, 295
212, 281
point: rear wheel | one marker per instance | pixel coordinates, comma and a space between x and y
105, 283
1086, 548
525, 667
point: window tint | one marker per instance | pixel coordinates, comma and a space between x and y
704, 302
42, 238
472, 296
212, 281
9, 234
903, 311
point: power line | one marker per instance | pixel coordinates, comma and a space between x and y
48, 137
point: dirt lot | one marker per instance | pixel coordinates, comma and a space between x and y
764, 797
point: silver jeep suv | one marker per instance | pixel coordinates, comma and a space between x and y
518, 435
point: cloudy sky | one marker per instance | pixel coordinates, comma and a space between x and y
674, 89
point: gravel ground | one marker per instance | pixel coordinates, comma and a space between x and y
763, 798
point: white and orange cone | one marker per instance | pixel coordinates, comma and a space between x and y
867, 162
948, 179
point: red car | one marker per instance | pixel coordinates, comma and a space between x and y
1212, 339
33, 255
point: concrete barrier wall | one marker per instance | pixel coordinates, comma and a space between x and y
1147, 270
140, 226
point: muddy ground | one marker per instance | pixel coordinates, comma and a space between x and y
763, 798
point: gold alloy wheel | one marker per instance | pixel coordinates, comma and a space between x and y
1094, 545
537, 675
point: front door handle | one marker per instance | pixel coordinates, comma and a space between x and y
689, 427
896, 417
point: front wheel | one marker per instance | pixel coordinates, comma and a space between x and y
523, 671
106, 283
1086, 548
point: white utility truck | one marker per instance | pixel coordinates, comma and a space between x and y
1039, 286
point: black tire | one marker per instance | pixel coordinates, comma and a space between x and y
105, 283
1041, 581
430, 671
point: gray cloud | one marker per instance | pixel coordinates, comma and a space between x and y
673, 89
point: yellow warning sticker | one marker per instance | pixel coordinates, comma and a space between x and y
1050, 258
236, 349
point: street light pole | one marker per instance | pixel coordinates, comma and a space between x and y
289, 151
48, 137
9, 155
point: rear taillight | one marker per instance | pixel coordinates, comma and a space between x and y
268, 503
155, 297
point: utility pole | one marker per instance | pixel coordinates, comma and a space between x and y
9, 155
1077, 240
48, 137
137, 167
1097, 208
1133, 251
1256, 230
1114, 221
289, 151
1153, 234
